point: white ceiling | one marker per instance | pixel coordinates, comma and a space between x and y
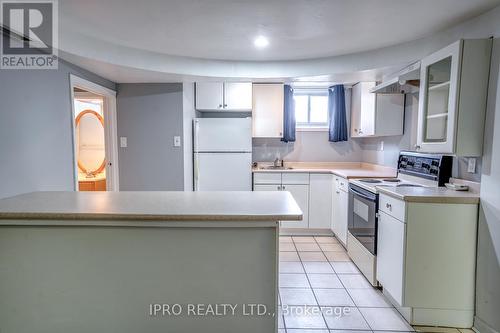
297, 29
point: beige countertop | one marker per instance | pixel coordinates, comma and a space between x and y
342, 169
151, 206
430, 195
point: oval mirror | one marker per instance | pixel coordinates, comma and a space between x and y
90, 142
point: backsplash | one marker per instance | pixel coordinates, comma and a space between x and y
308, 147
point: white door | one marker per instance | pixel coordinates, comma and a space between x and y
355, 110
209, 96
340, 216
368, 106
223, 171
238, 96
301, 195
437, 114
320, 201
222, 134
267, 113
390, 255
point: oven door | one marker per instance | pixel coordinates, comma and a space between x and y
362, 217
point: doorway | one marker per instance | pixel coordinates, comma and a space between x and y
94, 136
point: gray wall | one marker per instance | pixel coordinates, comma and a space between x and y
150, 115
488, 257
36, 139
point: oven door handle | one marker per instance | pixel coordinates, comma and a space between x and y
353, 191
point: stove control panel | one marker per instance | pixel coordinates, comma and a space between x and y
429, 166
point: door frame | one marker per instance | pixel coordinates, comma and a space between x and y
110, 129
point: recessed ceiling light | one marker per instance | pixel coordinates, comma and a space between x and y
261, 42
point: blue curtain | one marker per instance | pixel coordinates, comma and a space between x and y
337, 127
289, 116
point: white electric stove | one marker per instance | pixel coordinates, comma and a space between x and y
415, 170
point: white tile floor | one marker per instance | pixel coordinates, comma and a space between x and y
322, 291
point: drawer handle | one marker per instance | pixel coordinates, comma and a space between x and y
388, 206
342, 184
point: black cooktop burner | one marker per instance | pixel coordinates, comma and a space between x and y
371, 181
392, 180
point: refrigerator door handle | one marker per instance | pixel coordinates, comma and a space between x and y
196, 173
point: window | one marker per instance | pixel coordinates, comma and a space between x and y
311, 109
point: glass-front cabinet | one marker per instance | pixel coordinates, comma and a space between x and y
438, 98
452, 100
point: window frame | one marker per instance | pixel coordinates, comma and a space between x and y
311, 125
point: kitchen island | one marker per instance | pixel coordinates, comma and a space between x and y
141, 261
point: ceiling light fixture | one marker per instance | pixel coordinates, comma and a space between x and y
261, 42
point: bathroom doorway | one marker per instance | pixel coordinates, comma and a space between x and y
94, 136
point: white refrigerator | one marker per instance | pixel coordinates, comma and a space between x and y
222, 150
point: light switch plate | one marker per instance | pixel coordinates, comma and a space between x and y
471, 166
177, 141
123, 142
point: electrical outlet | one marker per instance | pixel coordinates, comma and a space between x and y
177, 141
123, 142
471, 165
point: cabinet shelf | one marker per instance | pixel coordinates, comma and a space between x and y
438, 115
440, 86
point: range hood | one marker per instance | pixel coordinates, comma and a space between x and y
405, 81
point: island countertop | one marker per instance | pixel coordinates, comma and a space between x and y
151, 206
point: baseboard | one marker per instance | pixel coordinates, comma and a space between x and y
305, 232
481, 327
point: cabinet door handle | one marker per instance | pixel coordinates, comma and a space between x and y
417, 147
282, 187
225, 105
220, 106
279, 188
355, 130
388, 206
338, 192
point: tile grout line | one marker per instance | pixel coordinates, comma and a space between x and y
310, 285
358, 307
344, 287
348, 293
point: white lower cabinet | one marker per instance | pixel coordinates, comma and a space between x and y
340, 208
301, 195
426, 263
295, 183
322, 197
391, 255
320, 201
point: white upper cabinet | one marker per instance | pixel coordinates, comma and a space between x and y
209, 95
224, 96
268, 99
375, 114
452, 101
238, 96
